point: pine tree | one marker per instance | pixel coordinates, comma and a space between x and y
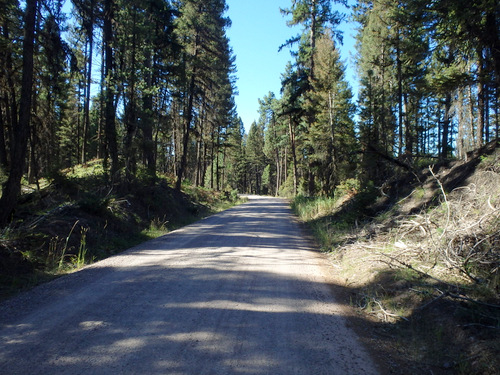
332, 135
257, 160
200, 29
12, 187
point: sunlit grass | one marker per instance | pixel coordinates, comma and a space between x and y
82, 218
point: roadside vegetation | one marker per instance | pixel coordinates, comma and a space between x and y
421, 263
417, 246
76, 218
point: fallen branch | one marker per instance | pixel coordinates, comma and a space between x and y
478, 325
455, 296
409, 266
445, 200
387, 312
473, 300
384, 311
431, 302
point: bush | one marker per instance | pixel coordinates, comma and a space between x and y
286, 190
348, 187
94, 204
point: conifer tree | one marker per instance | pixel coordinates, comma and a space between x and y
257, 160
201, 31
20, 134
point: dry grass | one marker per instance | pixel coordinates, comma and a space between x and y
79, 218
427, 275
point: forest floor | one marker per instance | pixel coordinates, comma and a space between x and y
240, 292
417, 258
421, 264
77, 218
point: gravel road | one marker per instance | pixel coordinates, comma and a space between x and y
241, 292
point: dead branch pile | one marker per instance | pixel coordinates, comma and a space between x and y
463, 232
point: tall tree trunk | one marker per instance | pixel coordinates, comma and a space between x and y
217, 174
199, 143
278, 172
33, 167
400, 96
294, 154
212, 152
204, 165
12, 188
187, 128
86, 107
277, 155
101, 148
223, 173
331, 114
472, 130
148, 145
409, 134
3, 149
110, 111
11, 109
486, 114
480, 99
131, 108
197, 178
492, 38
497, 118
445, 147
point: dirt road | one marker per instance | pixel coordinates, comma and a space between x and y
241, 292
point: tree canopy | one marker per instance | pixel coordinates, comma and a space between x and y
148, 87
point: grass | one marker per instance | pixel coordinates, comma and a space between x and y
78, 218
317, 212
424, 312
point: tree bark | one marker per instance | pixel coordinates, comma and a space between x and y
12, 188
480, 99
3, 149
131, 108
400, 95
445, 147
294, 154
110, 111
187, 128
148, 146
86, 107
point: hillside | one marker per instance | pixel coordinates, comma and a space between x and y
419, 260
77, 218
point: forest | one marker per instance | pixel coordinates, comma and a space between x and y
148, 87
118, 124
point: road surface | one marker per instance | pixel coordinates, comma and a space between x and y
241, 292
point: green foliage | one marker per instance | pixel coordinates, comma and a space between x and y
3, 178
81, 257
267, 178
320, 214
348, 187
84, 221
490, 162
65, 247
287, 188
157, 228
255, 157
309, 208
94, 204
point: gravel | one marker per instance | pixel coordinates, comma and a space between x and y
241, 292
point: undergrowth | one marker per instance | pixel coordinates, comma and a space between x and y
77, 218
424, 269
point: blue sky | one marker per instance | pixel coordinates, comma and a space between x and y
257, 31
